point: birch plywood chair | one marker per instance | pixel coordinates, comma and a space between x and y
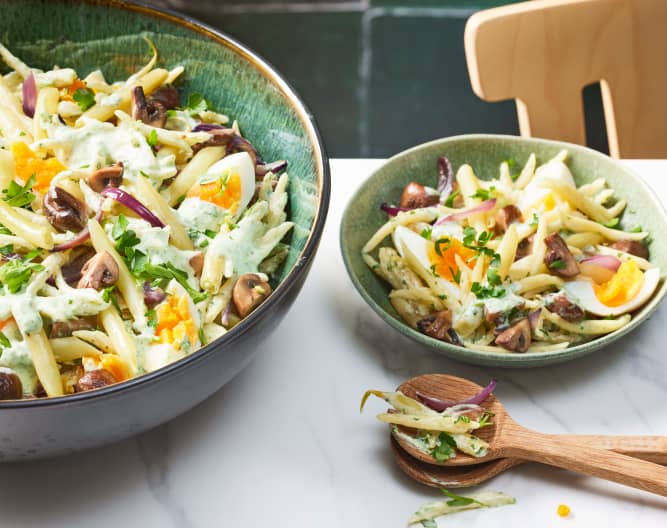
542, 53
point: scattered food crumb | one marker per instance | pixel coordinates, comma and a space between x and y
563, 510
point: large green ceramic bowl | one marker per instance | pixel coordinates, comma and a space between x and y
484, 153
91, 34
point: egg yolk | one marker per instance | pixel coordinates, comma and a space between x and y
174, 322
28, 163
622, 287
111, 362
224, 192
442, 256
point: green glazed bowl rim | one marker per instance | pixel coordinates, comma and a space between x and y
499, 359
321, 161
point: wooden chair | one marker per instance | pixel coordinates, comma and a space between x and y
542, 53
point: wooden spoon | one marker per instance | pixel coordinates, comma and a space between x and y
507, 439
465, 476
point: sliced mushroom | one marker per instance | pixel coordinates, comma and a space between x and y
167, 95
415, 195
11, 387
524, 248
95, 379
220, 137
517, 337
148, 111
101, 271
506, 216
153, 295
66, 328
111, 176
564, 307
78, 258
197, 263
64, 211
631, 246
240, 144
558, 258
248, 293
439, 326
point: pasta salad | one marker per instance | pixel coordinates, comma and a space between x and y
524, 262
133, 229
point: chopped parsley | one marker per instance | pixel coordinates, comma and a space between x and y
445, 448
85, 98
152, 139
4, 342
197, 104
426, 233
18, 272
19, 195
456, 275
636, 229
5, 231
534, 221
484, 292
429, 523
612, 224
446, 242
478, 243
7, 250
484, 194
151, 318
557, 264
449, 202
458, 500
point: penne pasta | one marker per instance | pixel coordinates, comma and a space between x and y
45, 363
187, 178
68, 349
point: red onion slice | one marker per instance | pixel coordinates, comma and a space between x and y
79, 239
606, 261
393, 210
440, 405
445, 177
484, 206
29, 90
131, 202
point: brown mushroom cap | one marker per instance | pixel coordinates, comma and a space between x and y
517, 337
11, 387
439, 326
415, 195
248, 293
167, 95
638, 249
101, 271
558, 257
197, 263
111, 176
64, 211
148, 111
95, 379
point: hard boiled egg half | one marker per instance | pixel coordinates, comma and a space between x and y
537, 196
628, 289
177, 329
436, 255
225, 188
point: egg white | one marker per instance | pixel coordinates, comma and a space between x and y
159, 355
537, 190
417, 245
582, 292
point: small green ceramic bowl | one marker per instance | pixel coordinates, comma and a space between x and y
484, 153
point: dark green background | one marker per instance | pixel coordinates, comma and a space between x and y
379, 75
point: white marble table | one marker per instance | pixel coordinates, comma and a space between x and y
284, 445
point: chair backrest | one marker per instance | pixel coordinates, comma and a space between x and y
542, 53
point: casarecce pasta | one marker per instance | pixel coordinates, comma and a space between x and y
523, 262
134, 229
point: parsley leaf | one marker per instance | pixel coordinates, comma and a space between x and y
636, 229
197, 104
4, 342
535, 220
484, 194
429, 523
458, 500
202, 337
449, 202
19, 196
85, 98
151, 317
426, 233
446, 242
5, 231
445, 448
17, 272
612, 224
557, 264
484, 292
456, 275
7, 250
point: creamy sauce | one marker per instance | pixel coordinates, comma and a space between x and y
17, 357
199, 215
58, 78
98, 144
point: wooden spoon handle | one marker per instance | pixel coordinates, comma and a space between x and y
649, 448
566, 453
